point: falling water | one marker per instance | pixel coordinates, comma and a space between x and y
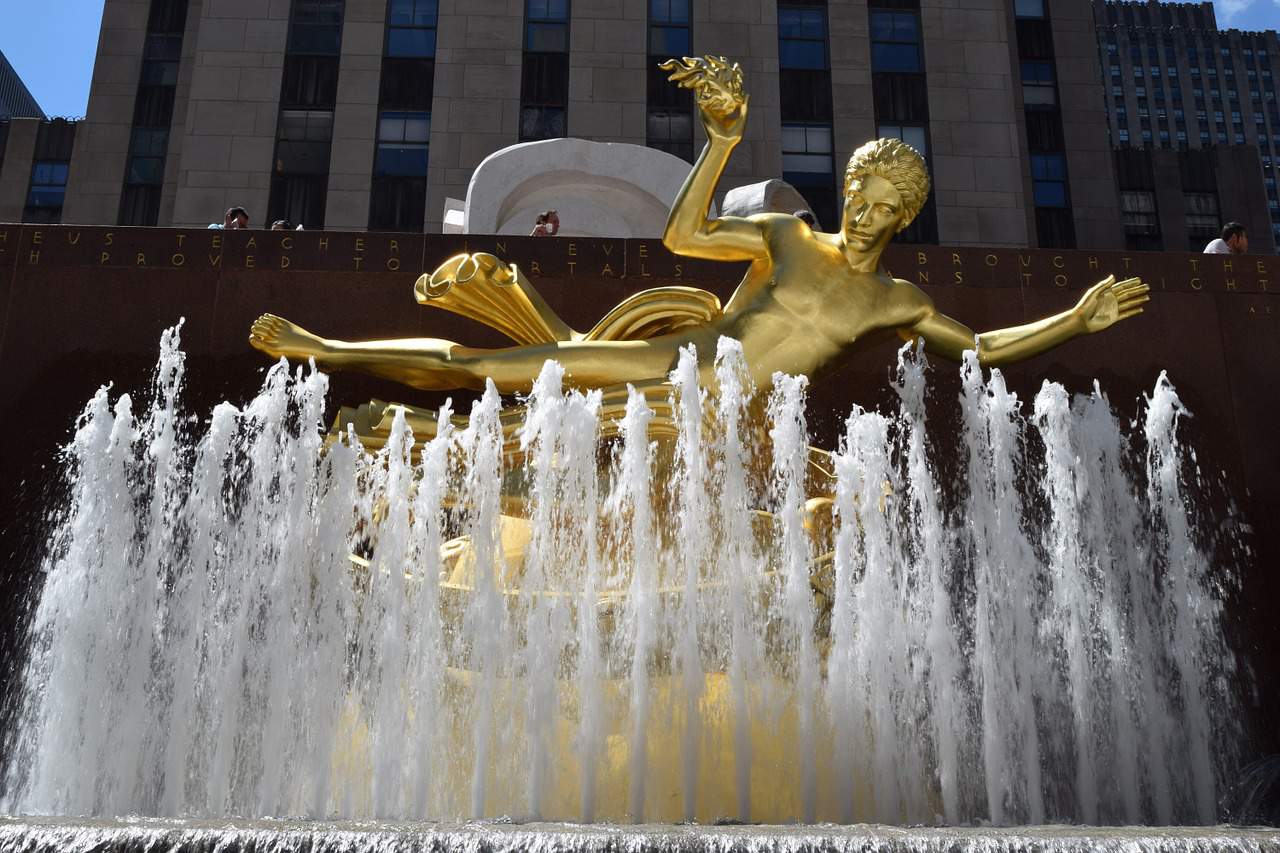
626, 624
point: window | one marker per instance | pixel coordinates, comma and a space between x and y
1138, 213
544, 88
1033, 9
1201, 218
807, 165
913, 136
47, 190
669, 28
1038, 84
411, 28
895, 41
802, 36
309, 81
546, 28
1049, 176
316, 27
669, 123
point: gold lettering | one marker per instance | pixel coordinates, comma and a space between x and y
1059, 280
955, 260
109, 239
4, 236
921, 259
217, 240
359, 244
608, 270
922, 276
104, 257
250, 262
644, 273
1226, 266
73, 237
573, 249
1125, 261
34, 257
1262, 283
178, 259
1231, 284
1196, 285
284, 262
1195, 264
357, 259
992, 260
215, 260
140, 261
1093, 263
679, 270
37, 238
395, 247
643, 251
1261, 268
252, 244
1026, 279
324, 244
1057, 262
181, 237
393, 264
959, 276
286, 243
572, 264
608, 249
534, 269
1025, 260
500, 246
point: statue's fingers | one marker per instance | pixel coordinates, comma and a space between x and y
1129, 302
1125, 315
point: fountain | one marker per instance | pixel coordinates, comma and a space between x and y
635, 595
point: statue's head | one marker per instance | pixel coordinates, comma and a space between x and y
885, 185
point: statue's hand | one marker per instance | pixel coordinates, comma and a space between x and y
718, 92
1110, 301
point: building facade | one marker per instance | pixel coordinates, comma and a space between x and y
15, 98
370, 114
1196, 123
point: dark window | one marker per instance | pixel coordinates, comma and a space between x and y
1035, 39
807, 166
1038, 88
669, 125
398, 204
1055, 228
669, 28
913, 135
545, 79
167, 16
298, 198
672, 132
309, 81
806, 94
1044, 129
542, 122
140, 204
546, 26
895, 41
900, 98
154, 106
802, 36
407, 84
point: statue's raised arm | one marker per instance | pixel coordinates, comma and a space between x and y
722, 106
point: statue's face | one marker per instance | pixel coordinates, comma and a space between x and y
872, 213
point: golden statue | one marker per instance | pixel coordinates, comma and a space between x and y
806, 299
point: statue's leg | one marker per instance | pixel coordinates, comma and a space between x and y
435, 364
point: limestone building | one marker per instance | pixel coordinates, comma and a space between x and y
370, 114
1195, 120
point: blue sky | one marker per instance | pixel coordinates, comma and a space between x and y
51, 43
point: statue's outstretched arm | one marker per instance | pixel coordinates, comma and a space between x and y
1101, 306
722, 106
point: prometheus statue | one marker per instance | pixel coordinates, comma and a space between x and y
807, 297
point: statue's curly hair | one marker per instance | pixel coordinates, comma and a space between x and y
899, 164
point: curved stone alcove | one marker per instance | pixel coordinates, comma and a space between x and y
599, 189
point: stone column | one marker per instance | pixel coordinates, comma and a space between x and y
15, 171
475, 108
978, 173
608, 52
355, 116
1095, 203
853, 105
96, 177
230, 132
745, 31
